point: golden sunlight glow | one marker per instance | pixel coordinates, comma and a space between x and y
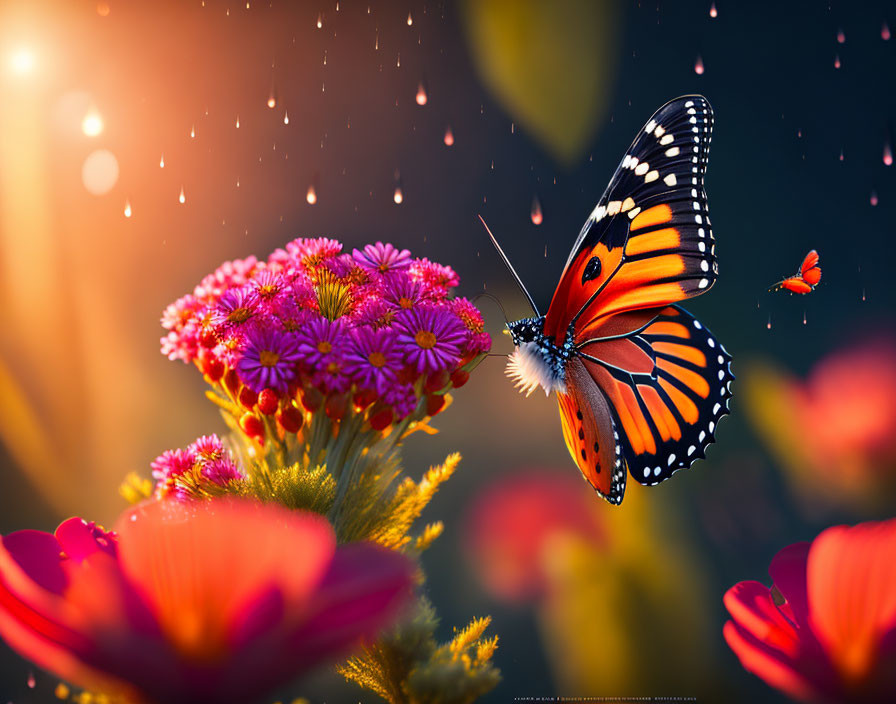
92, 124
22, 61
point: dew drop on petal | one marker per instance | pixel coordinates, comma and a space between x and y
698, 66
182, 198
535, 212
127, 208
449, 137
421, 94
398, 196
713, 12
311, 196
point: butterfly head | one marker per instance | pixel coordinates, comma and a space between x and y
536, 360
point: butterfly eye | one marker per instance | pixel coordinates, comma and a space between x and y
592, 270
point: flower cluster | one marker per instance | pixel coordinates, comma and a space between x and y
205, 468
314, 328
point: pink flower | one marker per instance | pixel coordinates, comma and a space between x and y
436, 278
430, 338
235, 308
172, 463
204, 602
382, 258
826, 630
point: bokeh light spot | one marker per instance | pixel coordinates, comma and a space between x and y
100, 172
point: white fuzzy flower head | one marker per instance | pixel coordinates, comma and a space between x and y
528, 369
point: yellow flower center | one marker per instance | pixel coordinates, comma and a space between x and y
332, 367
240, 315
405, 303
377, 359
324, 347
425, 339
268, 358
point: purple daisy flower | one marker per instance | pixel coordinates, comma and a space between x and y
235, 308
269, 359
321, 341
401, 292
222, 471
431, 338
373, 359
372, 311
382, 258
172, 463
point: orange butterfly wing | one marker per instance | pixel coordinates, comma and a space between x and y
648, 243
590, 433
794, 284
667, 386
810, 270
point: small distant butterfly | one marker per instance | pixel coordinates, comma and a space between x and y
640, 382
805, 280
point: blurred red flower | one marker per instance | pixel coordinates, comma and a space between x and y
512, 523
826, 630
219, 601
836, 431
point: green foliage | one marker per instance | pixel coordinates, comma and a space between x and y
295, 486
408, 666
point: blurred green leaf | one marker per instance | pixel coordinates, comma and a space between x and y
550, 64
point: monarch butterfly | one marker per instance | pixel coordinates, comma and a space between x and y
805, 280
641, 383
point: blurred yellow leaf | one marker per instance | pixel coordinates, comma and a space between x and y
550, 64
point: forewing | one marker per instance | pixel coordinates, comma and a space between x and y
667, 386
648, 243
590, 433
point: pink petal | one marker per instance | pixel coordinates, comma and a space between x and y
753, 609
37, 555
79, 541
788, 572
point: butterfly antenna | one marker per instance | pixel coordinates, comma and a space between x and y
510, 268
486, 294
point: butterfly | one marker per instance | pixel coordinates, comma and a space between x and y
806, 279
641, 384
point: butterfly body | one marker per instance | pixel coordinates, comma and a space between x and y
640, 383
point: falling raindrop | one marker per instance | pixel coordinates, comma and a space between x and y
713, 12
449, 137
182, 198
841, 37
285, 117
410, 19
535, 213
841, 155
421, 94
698, 66
837, 61
888, 154
272, 101
127, 208
545, 251
311, 195
193, 132
769, 324
398, 61
804, 317
237, 121
31, 682
885, 32
398, 196
863, 293
320, 20
162, 162
237, 183
325, 57
873, 198
376, 43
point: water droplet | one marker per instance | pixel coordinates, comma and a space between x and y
285, 117
841, 155
376, 43
713, 12
398, 61
92, 124
320, 20
873, 198
841, 36
193, 132
863, 293
237, 183
272, 101
535, 213
804, 317
237, 121
127, 208
769, 324
698, 66
888, 154
182, 198
421, 94
449, 137
31, 682
311, 195
398, 196
162, 162
885, 32
410, 20
837, 61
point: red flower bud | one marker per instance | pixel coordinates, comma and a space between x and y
207, 338
252, 426
459, 378
268, 401
436, 382
364, 398
291, 419
337, 406
213, 368
380, 417
434, 404
248, 398
312, 399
